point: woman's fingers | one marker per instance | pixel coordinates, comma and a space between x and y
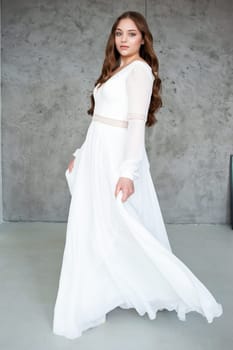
125, 195
71, 165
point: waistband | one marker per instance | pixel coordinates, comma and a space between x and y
110, 121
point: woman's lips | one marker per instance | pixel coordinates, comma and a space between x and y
124, 47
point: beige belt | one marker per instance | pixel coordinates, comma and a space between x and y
110, 121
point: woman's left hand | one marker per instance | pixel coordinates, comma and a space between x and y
125, 185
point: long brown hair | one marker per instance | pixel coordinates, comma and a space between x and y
111, 62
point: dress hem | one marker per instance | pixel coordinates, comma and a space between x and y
180, 309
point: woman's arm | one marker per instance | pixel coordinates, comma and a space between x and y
139, 89
139, 86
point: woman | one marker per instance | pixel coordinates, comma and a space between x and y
117, 252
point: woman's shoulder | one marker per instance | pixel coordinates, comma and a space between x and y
140, 65
141, 60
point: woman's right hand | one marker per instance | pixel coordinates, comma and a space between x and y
71, 165
125, 185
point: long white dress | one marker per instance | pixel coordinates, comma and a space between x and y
118, 253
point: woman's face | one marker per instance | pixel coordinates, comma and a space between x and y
128, 38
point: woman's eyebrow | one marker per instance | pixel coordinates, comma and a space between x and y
129, 30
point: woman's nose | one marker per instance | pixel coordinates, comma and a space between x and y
124, 37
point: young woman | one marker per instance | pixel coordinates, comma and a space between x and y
117, 251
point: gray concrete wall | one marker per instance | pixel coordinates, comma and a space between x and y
53, 53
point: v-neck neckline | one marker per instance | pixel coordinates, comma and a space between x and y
124, 67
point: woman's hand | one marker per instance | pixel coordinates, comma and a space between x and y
125, 185
71, 165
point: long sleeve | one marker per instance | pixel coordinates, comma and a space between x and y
139, 86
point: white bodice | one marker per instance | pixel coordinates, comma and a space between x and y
122, 95
125, 98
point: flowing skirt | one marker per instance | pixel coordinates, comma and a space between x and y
118, 253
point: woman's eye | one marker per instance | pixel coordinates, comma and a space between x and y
119, 34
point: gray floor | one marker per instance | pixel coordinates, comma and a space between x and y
30, 261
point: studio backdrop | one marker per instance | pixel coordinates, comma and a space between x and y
52, 53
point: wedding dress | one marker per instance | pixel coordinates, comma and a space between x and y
118, 253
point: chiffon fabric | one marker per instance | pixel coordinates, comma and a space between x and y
117, 254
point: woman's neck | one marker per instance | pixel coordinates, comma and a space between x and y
124, 61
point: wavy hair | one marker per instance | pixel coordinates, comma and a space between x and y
112, 62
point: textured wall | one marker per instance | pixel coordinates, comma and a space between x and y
194, 137
52, 54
